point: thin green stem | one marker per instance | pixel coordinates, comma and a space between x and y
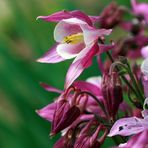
135, 83
123, 77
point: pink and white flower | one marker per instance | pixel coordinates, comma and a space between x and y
77, 38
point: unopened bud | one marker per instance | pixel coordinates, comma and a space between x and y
112, 92
111, 16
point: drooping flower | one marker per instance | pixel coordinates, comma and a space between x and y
140, 9
59, 111
92, 85
77, 38
131, 125
72, 104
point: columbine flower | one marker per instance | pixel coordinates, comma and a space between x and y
59, 111
71, 104
76, 38
131, 125
140, 9
144, 69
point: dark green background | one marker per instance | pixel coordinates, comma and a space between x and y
22, 41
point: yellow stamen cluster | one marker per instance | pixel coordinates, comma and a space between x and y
74, 38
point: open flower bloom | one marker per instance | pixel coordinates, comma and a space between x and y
144, 69
76, 38
140, 9
131, 125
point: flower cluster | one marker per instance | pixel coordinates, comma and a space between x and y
114, 104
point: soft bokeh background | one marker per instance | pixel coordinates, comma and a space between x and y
22, 41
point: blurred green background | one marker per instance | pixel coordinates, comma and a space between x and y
22, 41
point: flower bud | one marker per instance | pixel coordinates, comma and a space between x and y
69, 106
111, 16
64, 115
112, 92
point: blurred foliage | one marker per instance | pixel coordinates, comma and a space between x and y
22, 41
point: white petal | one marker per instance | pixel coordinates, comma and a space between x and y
75, 21
95, 80
69, 51
91, 34
63, 29
144, 67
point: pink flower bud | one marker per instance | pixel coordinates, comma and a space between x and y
112, 92
111, 16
